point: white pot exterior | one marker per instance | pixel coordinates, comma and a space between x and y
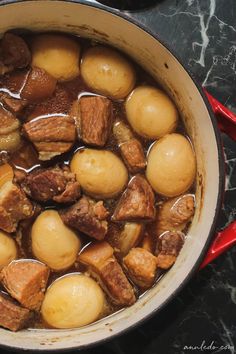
89, 21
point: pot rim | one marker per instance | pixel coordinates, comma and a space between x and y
221, 164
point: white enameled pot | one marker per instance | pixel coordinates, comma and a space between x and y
106, 26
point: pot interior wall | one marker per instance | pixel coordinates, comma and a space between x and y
106, 27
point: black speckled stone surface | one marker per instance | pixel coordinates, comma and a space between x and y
203, 315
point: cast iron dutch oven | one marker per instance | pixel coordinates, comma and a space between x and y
105, 25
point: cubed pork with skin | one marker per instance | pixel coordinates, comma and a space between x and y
103, 266
141, 267
52, 136
57, 184
168, 247
131, 149
94, 118
175, 213
14, 206
12, 315
137, 202
87, 216
25, 281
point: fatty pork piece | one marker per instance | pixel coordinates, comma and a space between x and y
57, 184
87, 216
26, 280
14, 51
137, 202
12, 315
168, 247
14, 206
141, 266
131, 149
103, 266
51, 135
122, 240
93, 116
14, 105
174, 214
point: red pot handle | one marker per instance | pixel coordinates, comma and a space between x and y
226, 119
223, 241
227, 237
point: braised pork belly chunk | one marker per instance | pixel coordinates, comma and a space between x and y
102, 265
131, 149
26, 281
94, 119
137, 202
175, 213
141, 266
14, 206
15, 51
96, 181
14, 105
169, 245
58, 184
12, 315
51, 136
87, 216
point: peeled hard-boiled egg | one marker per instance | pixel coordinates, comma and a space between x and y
73, 300
150, 112
8, 249
171, 165
107, 72
58, 54
100, 172
53, 243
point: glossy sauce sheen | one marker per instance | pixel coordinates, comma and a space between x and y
26, 157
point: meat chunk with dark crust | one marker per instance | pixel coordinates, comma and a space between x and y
15, 51
14, 206
14, 105
133, 155
51, 136
169, 245
39, 85
94, 119
131, 149
116, 283
103, 266
58, 184
12, 315
175, 213
141, 267
26, 280
137, 203
87, 216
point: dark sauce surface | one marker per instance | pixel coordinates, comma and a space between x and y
26, 158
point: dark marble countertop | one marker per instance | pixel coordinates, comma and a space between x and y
203, 34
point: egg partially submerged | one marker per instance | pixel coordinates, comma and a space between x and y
72, 301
